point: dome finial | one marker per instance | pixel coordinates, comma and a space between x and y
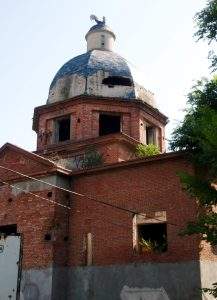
96, 19
100, 36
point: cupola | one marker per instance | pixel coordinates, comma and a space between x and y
99, 72
95, 101
100, 36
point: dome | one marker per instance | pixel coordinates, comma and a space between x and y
91, 62
98, 72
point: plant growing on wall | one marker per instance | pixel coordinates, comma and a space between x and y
146, 245
146, 150
92, 158
153, 245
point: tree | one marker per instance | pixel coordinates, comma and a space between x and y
197, 135
206, 21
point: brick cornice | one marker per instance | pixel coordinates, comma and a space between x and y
95, 100
131, 163
70, 147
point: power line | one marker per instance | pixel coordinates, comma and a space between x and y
81, 195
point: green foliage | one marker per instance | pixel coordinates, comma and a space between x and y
206, 21
205, 225
212, 291
146, 245
213, 58
200, 188
197, 135
153, 246
146, 150
92, 158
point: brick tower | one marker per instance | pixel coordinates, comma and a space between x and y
96, 101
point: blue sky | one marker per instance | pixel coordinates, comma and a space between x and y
38, 37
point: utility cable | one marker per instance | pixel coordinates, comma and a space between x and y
33, 194
81, 195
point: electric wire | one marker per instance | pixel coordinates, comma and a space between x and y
81, 195
33, 194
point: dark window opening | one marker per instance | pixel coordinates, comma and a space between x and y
117, 80
63, 129
49, 194
47, 237
8, 229
152, 237
102, 40
150, 135
109, 124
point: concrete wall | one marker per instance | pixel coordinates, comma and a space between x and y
181, 281
44, 284
36, 284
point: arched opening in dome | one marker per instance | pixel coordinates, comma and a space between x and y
117, 80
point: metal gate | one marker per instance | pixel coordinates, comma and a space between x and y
9, 266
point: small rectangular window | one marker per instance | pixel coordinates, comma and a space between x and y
150, 135
102, 40
63, 129
152, 237
109, 123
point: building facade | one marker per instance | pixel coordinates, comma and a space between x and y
82, 217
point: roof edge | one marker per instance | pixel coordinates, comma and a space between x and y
51, 106
43, 160
131, 163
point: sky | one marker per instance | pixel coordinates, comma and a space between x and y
38, 36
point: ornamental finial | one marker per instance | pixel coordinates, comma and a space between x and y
98, 22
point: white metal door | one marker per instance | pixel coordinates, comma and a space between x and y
9, 266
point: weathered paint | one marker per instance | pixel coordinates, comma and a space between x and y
9, 266
83, 75
35, 186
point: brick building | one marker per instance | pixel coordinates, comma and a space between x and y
89, 220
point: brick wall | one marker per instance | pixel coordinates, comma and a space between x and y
85, 120
143, 186
148, 187
35, 218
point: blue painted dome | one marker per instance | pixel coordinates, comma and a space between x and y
91, 62
98, 72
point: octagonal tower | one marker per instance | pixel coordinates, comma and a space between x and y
95, 101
